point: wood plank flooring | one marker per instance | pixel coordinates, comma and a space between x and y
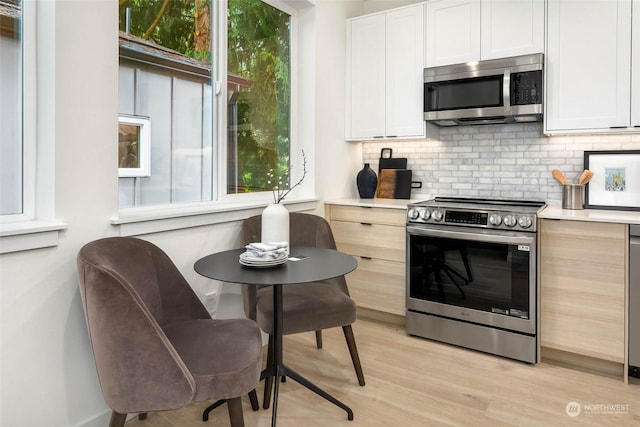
417, 382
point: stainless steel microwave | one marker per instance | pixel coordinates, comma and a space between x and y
505, 90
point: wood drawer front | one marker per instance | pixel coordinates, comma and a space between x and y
606, 281
370, 240
584, 305
583, 242
379, 285
386, 216
588, 337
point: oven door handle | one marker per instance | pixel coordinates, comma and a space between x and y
492, 237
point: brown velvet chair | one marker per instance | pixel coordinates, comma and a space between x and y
311, 307
155, 345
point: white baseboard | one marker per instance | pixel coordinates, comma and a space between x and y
101, 420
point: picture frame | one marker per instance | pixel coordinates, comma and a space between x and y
616, 180
134, 146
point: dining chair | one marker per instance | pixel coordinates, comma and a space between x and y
155, 346
309, 307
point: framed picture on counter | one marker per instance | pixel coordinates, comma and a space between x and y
616, 180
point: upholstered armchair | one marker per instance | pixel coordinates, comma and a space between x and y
155, 345
312, 307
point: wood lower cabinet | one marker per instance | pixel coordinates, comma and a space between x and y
583, 288
376, 237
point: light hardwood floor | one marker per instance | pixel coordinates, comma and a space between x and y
416, 382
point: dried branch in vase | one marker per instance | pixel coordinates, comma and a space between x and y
281, 187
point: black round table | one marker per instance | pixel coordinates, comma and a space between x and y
313, 264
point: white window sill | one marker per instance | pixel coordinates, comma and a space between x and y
138, 221
27, 235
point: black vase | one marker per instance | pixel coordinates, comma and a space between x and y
367, 181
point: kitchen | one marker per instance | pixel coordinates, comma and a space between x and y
41, 310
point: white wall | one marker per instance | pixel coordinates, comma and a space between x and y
337, 162
47, 373
371, 6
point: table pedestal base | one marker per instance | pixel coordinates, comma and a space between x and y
281, 372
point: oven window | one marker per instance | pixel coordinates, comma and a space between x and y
460, 94
491, 277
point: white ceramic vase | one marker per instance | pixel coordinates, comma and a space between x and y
275, 223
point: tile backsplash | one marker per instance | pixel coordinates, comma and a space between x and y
498, 161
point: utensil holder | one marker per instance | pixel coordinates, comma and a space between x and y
573, 196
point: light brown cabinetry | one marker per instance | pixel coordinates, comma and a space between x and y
583, 288
376, 237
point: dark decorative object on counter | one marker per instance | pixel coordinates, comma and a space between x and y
367, 181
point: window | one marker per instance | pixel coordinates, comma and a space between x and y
11, 156
27, 208
170, 75
258, 112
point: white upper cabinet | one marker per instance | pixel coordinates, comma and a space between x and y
366, 77
385, 61
470, 30
452, 32
405, 76
511, 28
588, 65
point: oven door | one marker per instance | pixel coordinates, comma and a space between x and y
486, 277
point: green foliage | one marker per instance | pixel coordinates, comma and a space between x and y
175, 29
259, 50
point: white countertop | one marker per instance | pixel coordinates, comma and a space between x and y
596, 215
374, 203
549, 212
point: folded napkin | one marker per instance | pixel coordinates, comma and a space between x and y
267, 250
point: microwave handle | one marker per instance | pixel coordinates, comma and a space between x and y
506, 91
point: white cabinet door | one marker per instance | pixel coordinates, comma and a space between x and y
510, 28
588, 66
452, 32
366, 77
635, 66
404, 75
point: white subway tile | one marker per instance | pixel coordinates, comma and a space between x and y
500, 161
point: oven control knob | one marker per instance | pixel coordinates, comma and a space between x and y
495, 219
437, 215
425, 215
413, 213
510, 221
525, 221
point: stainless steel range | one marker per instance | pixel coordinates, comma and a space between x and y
471, 274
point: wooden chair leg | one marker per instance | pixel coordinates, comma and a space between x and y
353, 350
253, 398
117, 419
268, 382
235, 412
319, 339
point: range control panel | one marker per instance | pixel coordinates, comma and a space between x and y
498, 219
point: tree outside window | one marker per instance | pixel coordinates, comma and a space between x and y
258, 79
259, 51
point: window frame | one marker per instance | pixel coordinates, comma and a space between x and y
228, 207
36, 227
220, 75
